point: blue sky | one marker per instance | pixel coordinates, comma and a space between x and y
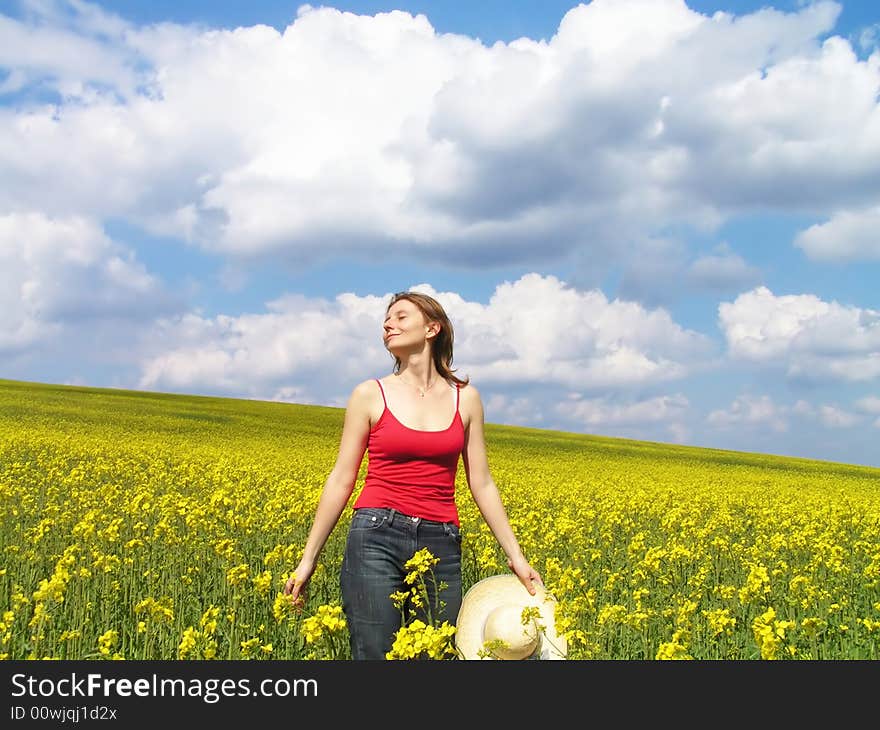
647, 218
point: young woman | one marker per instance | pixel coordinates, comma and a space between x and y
415, 423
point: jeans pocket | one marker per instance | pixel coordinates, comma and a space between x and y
368, 518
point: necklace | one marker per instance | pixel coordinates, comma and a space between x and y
421, 390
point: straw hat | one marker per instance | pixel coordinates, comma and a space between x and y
491, 619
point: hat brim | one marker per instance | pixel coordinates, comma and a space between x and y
502, 590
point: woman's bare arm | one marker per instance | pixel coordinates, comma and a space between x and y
485, 491
338, 487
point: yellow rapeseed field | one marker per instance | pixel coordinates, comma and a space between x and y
150, 526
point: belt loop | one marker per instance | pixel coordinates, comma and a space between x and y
391, 514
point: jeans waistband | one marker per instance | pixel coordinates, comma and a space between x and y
391, 514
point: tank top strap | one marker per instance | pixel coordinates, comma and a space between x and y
457, 396
383, 391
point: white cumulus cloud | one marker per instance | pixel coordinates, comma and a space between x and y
318, 141
753, 411
869, 404
722, 270
835, 417
534, 331
749, 410
811, 338
58, 273
848, 235
602, 411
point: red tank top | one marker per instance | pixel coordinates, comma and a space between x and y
413, 471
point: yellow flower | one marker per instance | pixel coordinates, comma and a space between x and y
262, 582
419, 564
107, 641
208, 621
157, 610
225, 548
399, 598
237, 575
757, 585
248, 646
769, 633
329, 618
720, 621
188, 643
421, 640
282, 607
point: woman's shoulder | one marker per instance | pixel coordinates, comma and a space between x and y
366, 388
364, 394
469, 392
368, 383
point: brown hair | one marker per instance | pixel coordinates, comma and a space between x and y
441, 349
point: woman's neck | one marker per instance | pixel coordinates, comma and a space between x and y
418, 371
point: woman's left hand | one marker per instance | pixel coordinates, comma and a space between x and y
527, 575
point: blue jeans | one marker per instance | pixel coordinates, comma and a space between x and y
380, 542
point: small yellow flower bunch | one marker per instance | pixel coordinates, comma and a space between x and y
677, 649
262, 582
253, 647
420, 563
237, 574
420, 567
421, 635
419, 640
196, 644
106, 643
282, 607
770, 634
325, 630
159, 611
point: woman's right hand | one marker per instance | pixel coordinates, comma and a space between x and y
297, 584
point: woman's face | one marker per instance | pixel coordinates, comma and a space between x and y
404, 326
